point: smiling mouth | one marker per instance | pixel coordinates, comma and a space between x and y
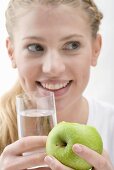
54, 86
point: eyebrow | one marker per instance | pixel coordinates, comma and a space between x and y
72, 36
63, 39
34, 37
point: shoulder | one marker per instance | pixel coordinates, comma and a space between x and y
100, 107
101, 116
100, 113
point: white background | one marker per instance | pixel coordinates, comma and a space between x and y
101, 84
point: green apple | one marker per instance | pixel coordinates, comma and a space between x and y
64, 135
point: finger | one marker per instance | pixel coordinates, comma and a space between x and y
54, 164
92, 157
33, 160
24, 162
106, 155
26, 144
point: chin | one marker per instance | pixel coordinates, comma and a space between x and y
62, 105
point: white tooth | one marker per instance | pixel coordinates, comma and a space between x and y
48, 86
54, 86
65, 84
44, 85
51, 86
58, 86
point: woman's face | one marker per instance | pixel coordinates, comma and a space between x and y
53, 49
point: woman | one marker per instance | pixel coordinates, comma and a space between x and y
53, 44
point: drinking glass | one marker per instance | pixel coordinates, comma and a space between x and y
36, 115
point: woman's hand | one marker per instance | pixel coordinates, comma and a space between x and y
99, 162
12, 159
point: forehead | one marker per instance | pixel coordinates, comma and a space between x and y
53, 18
56, 11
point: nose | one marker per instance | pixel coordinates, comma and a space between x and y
53, 65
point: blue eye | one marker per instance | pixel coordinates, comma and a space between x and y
35, 48
73, 45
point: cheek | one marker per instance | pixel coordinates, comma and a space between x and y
27, 70
82, 66
85, 76
85, 72
27, 76
24, 69
24, 63
82, 72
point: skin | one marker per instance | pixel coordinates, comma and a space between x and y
42, 66
56, 32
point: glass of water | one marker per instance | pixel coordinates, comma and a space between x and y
36, 115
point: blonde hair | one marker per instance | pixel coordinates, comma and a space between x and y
12, 12
8, 120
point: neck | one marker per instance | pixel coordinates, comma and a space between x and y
77, 112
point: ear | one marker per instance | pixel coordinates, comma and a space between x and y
97, 43
10, 50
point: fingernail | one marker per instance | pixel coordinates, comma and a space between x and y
77, 148
48, 159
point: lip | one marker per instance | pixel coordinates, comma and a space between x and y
60, 92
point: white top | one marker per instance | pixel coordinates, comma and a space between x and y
101, 116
